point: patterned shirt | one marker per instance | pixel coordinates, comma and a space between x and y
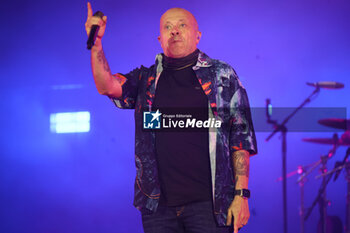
227, 101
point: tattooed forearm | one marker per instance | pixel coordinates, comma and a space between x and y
241, 163
102, 59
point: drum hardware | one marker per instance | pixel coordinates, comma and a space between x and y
339, 166
302, 207
283, 129
347, 214
328, 224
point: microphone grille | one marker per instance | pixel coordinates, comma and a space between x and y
99, 14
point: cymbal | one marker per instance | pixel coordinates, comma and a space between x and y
344, 140
337, 123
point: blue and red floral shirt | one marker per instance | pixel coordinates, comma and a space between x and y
227, 101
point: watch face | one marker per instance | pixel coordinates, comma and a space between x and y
246, 193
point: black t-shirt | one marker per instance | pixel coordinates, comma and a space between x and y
182, 154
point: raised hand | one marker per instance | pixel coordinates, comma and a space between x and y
94, 20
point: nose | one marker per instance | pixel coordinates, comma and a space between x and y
175, 31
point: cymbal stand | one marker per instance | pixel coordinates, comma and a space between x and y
321, 197
322, 201
304, 171
302, 208
347, 215
338, 167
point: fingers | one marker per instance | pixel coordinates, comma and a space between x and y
89, 8
239, 211
245, 216
95, 21
229, 218
236, 223
245, 220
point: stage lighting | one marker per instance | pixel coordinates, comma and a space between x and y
70, 122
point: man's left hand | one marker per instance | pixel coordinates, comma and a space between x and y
239, 210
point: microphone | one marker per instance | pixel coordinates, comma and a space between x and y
326, 85
94, 31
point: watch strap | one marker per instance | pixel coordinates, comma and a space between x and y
242, 193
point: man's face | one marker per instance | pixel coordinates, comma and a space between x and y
179, 33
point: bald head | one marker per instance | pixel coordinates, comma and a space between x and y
179, 33
177, 10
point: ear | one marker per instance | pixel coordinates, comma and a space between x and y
199, 36
158, 38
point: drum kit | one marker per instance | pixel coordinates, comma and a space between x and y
327, 224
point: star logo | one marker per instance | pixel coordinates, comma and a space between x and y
156, 115
151, 120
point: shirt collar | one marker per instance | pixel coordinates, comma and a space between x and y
203, 61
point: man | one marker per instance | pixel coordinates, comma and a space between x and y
186, 181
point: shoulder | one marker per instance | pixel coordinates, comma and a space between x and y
145, 69
223, 67
142, 71
225, 73
220, 67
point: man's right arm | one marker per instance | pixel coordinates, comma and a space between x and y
106, 84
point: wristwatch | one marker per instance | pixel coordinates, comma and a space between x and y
243, 193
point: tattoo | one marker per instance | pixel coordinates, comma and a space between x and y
102, 59
241, 163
